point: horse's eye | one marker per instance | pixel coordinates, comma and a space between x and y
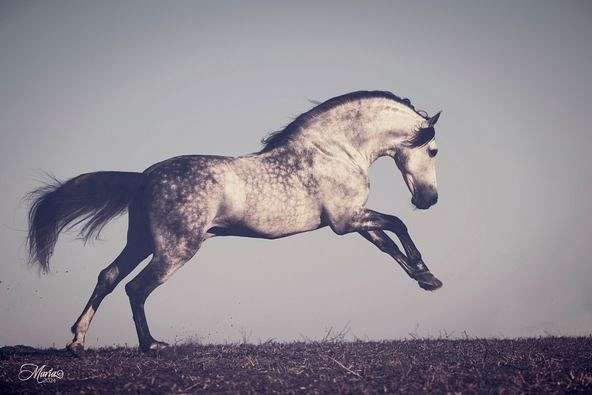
432, 152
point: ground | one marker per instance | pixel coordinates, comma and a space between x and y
548, 364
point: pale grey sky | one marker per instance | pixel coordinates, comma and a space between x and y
89, 86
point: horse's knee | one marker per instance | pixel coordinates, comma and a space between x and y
399, 225
140, 287
133, 290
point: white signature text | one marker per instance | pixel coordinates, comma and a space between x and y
42, 373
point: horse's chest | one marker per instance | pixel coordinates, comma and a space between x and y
341, 186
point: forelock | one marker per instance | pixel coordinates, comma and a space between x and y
421, 137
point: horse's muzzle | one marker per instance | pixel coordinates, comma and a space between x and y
425, 200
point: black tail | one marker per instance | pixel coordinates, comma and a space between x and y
94, 197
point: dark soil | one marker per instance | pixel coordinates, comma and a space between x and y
542, 365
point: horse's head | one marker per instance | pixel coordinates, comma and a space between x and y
416, 158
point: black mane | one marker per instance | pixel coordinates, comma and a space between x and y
421, 137
283, 136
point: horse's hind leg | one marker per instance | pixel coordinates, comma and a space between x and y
162, 266
136, 250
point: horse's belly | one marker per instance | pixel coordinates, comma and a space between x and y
270, 199
283, 220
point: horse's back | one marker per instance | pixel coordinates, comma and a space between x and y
187, 162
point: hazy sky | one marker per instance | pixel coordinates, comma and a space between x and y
89, 86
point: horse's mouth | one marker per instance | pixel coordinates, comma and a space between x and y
424, 204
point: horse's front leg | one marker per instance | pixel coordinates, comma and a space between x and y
388, 246
371, 224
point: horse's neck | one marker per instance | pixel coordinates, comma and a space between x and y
361, 133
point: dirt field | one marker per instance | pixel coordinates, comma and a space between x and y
549, 364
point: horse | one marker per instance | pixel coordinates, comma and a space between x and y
311, 174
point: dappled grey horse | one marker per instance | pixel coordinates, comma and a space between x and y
313, 173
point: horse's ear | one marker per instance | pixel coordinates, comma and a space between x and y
432, 121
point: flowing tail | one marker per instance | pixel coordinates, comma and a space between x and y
94, 198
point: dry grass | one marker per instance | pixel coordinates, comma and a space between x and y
549, 364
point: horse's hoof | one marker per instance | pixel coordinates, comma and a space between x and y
154, 345
75, 348
428, 281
